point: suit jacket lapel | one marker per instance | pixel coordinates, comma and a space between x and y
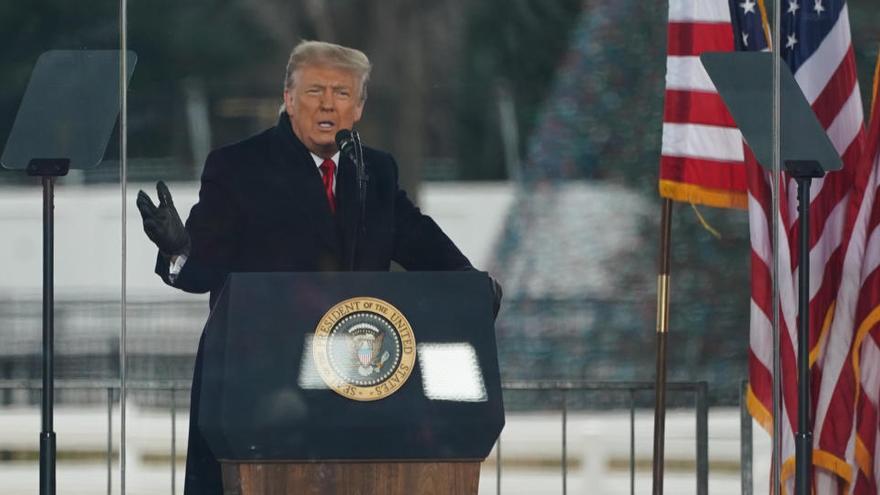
297, 170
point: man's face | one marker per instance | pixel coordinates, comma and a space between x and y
322, 101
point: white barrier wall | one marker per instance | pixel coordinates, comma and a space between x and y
472, 214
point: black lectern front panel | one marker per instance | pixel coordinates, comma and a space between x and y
403, 366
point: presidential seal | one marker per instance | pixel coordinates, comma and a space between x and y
364, 349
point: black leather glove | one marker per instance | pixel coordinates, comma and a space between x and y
497, 293
162, 223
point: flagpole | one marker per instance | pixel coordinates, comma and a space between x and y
775, 134
662, 333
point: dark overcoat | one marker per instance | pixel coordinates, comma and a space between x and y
262, 208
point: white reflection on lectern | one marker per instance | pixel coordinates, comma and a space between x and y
309, 379
451, 372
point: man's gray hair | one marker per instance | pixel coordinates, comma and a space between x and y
318, 53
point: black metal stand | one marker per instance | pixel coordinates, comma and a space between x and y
361, 172
803, 172
48, 169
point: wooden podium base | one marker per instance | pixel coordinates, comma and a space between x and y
351, 478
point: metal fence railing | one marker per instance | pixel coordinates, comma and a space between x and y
628, 389
569, 393
111, 389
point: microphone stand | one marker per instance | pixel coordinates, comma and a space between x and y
360, 169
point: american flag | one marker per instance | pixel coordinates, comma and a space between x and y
866, 347
817, 47
818, 50
702, 153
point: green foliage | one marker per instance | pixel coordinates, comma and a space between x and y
212, 39
512, 45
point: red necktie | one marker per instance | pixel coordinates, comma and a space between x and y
328, 172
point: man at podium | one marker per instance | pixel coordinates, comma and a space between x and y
286, 199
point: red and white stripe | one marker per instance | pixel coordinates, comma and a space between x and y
761, 336
866, 348
828, 80
859, 312
698, 131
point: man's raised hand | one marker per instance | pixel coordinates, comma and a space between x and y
162, 223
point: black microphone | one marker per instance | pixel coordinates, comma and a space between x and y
345, 143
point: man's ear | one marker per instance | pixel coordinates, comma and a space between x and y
359, 111
288, 101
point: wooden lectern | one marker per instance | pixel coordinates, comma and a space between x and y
352, 478
351, 383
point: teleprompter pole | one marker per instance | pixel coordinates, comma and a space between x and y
48, 170
803, 172
662, 332
75, 135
